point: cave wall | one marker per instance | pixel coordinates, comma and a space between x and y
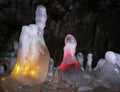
94, 23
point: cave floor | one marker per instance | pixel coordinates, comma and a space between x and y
47, 87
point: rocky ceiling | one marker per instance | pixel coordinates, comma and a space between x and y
94, 23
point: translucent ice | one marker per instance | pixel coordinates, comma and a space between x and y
80, 59
41, 18
106, 72
118, 59
50, 70
110, 57
100, 64
33, 58
89, 62
69, 59
110, 72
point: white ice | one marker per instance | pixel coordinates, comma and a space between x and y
89, 62
110, 57
106, 72
80, 58
70, 47
51, 70
100, 64
32, 34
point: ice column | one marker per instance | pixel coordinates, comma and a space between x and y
33, 56
89, 62
80, 58
69, 59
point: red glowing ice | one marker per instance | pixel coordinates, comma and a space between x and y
69, 60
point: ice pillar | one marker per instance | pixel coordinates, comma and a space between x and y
69, 59
33, 56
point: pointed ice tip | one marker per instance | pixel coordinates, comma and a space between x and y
70, 39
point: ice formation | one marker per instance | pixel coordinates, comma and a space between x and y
51, 70
110, 57
14, 55
89, 62
109, 75
118, 59
100, 64
80, 59
106, 72
69, 59
32, 63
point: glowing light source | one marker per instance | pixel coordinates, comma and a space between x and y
18, 68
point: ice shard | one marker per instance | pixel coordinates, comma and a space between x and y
33, 57
69, 59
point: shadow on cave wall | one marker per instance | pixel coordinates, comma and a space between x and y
94, 23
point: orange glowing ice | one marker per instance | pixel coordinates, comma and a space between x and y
33, 56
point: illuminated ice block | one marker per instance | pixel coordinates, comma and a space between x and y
69, 59
33, 58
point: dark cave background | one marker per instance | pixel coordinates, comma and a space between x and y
94, 23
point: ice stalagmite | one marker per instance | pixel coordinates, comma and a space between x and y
33, 56
89, 62
80, 58
69, 59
